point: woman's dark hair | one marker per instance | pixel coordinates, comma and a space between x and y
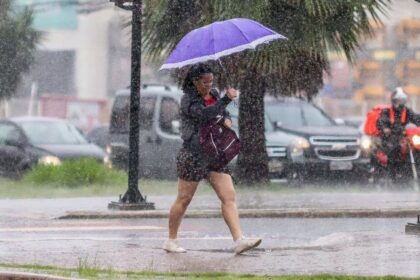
196, 72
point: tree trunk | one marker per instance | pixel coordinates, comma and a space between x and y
252, 165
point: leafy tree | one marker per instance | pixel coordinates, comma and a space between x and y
292, 68
17, 45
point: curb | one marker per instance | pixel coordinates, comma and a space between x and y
13, 275
251, 213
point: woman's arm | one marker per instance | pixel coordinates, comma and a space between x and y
205, 113
413, 117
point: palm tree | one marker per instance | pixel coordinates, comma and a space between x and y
18, 41
293, 68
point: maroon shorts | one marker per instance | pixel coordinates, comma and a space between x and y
193, 166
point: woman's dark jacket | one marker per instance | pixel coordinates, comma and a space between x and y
194, 113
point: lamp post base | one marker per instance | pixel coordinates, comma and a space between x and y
413, 228
142, 205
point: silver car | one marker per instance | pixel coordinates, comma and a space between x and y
159, 133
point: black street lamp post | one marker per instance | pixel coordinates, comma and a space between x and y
133, 199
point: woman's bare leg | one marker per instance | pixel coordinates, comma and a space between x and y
223, 186
186, 190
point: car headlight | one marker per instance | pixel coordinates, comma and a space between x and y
108, 149
299, 145
49, 160
107, 161
365, 143
416, 140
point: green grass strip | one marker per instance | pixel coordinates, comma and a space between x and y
26, 189
86, 272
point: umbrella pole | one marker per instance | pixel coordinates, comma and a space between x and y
228, 81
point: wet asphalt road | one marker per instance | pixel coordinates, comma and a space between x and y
345, 246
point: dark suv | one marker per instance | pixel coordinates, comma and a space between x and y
317, 146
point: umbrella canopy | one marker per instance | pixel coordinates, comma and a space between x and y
219, 39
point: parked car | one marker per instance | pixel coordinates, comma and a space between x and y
318, 147
99, 135
159, 130
159, 133
299, 136
353, 121
27, 141
277, 143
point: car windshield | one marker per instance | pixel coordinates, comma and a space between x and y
234, 113
292, 115
47, 132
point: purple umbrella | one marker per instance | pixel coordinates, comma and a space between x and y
218, 39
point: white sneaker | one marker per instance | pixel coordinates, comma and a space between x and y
246, 244
171, 246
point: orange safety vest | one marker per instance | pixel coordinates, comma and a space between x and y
374, 115
392, 115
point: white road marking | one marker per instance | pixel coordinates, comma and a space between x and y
84, 228
134, 238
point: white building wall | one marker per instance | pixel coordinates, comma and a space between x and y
90, 44
92, 54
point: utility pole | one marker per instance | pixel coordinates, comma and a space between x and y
133, 199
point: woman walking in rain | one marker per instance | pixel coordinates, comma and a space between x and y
199, 104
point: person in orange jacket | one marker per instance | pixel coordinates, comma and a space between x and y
391, 125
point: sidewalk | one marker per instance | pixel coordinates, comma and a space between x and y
32, 234
251, 203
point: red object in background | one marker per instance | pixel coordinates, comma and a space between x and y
372, 118
52, 106
404, 149
382, 158
411, 132
83, 113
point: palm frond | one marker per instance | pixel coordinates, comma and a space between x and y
312, 28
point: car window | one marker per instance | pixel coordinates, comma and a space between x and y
97, 132
120, 117
292, 115
289, 116
48, 132
9, 132
313, 116
169, 111
234, 112
268, 124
